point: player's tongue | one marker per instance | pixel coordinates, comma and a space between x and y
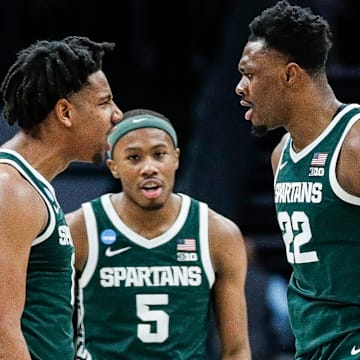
249, 113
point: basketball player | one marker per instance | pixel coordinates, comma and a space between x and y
151, 261
59, 97
316, 166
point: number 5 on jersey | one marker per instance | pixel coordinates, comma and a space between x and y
146, 314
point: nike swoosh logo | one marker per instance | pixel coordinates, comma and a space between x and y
355, 350
109, 252
138, 120
282, 165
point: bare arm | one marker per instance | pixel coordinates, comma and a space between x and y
230, 262
76, 222
348, 166
22, 217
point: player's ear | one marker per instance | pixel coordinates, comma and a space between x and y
291, 72
111, 164
177, 157
63, 111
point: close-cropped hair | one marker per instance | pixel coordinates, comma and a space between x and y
45, 72
295, 32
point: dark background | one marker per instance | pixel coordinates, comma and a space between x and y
180, 58
164, 51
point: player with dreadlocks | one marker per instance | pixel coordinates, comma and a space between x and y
59, 97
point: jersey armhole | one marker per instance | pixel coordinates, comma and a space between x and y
204, 243
92, 238
336, 187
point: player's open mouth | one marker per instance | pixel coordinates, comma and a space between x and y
249, 113
151, 189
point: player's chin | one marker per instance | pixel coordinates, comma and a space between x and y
154, 205
259, 130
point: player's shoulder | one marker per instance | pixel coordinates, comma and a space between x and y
16, 194
352, 137
226, 241
75, 216
15, 186
350, 148
222, 226
216, 220
218, 223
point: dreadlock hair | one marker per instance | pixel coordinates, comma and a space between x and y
295, 32
45, 72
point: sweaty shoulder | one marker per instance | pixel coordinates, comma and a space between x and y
17, 197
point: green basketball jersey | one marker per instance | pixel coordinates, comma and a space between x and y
319, 223
141, 298
47, 318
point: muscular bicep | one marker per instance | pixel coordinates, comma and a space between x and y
76, 222
23, 216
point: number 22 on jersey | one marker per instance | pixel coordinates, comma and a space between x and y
296, 233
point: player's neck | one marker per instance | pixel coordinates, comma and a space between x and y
46, 158
148, 223
311, 123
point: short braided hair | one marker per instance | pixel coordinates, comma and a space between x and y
45, 72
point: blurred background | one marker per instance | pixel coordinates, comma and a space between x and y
180, 58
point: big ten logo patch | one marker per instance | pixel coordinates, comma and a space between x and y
316, 171
184, 256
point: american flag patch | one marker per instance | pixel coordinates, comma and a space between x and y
319, 159
186, 245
